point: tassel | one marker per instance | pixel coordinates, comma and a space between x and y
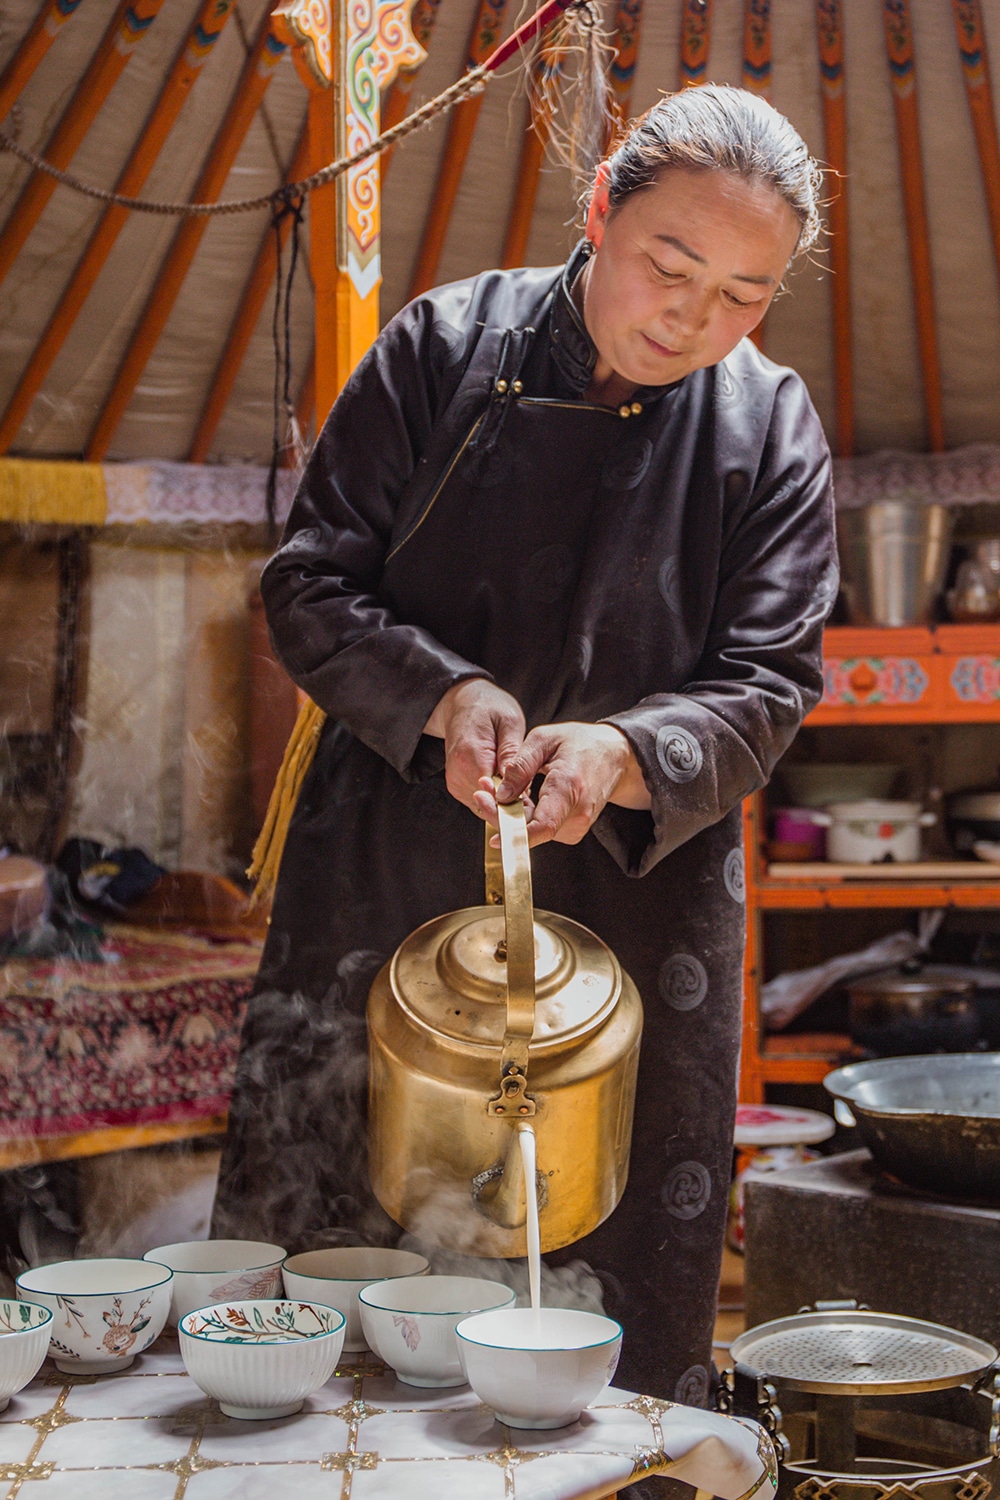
299, 755
571, 92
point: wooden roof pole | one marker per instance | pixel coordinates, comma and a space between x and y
976, 71
249, 91
830, 30
461, 128
902, 70
396, 101
40, 35
522, 207
696, 40
188, 63
127, 27
757, 77
244, 322
375, 41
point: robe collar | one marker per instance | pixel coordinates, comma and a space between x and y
573, 350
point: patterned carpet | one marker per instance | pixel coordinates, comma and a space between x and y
148, 1036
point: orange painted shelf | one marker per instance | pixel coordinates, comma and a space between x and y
948, 674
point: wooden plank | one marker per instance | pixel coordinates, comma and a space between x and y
830, 29
916, 896
696, 41
42, 32
627, 34
23, 1151
250, 89
187, 66
255, 294
902, 69
484, 37
127, 27
823, 871
751, 1080
522, 208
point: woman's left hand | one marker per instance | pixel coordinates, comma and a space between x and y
585, 766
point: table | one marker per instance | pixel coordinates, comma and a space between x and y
150, 1434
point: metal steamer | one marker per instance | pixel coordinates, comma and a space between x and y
874, 1406
483, 1022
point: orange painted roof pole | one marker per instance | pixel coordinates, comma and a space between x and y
244, 322
188, 63
461, 129
397, 98
41, 34
830, 31
250, 89
902, 69
126, 30
976, 71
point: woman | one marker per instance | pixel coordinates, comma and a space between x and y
562, 523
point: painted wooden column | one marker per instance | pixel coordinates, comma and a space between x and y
830, 33
347, 51
696, 41
976, 72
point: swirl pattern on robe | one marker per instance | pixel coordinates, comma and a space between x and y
679, 753
687, 1190
682, 981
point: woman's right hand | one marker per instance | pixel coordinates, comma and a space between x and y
482, 728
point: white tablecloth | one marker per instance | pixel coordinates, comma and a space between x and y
150, 1434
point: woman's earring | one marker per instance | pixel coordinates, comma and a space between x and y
589, 247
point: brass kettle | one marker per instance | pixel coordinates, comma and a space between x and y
485, 1020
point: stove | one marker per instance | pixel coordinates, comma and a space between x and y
836, 1228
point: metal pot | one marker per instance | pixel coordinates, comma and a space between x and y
894, 555
933, 1122
866, 833
915, 1008
972, 817
484, 1020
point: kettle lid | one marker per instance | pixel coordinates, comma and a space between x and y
450, 977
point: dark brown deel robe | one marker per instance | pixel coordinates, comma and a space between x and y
666, 565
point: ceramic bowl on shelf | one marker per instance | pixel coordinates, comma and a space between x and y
539, 1370
410, 1323
260, 1359
335, 1277
25, 1328
213, 1270
105, 1311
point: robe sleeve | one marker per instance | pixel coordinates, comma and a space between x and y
705, 747
331, 631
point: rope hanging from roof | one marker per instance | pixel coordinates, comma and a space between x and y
472, 82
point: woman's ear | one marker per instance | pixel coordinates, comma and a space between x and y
599, 206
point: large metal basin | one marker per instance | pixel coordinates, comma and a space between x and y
933, 1122
894, 554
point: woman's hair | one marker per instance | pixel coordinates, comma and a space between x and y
715, 128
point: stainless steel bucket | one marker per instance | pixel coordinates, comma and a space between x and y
894, 556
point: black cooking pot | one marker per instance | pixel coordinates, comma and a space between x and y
914, 1009
973, 816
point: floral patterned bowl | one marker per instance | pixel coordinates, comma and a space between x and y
410, 1323
261, 1359
219, 1271
105, 1311
336, 1276
539, 1369
24, 1342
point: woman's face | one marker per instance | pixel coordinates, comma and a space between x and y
683, 270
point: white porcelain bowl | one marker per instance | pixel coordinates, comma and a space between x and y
214, 1270
410, 1323
261, 1359
539, 1373
105, 1311
24, 1342
335, 1277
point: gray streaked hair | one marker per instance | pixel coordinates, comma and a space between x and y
719, 129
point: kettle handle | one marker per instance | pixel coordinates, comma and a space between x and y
508, 883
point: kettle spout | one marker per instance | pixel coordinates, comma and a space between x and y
499, 1192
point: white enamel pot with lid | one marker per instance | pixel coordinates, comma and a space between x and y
873, 830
